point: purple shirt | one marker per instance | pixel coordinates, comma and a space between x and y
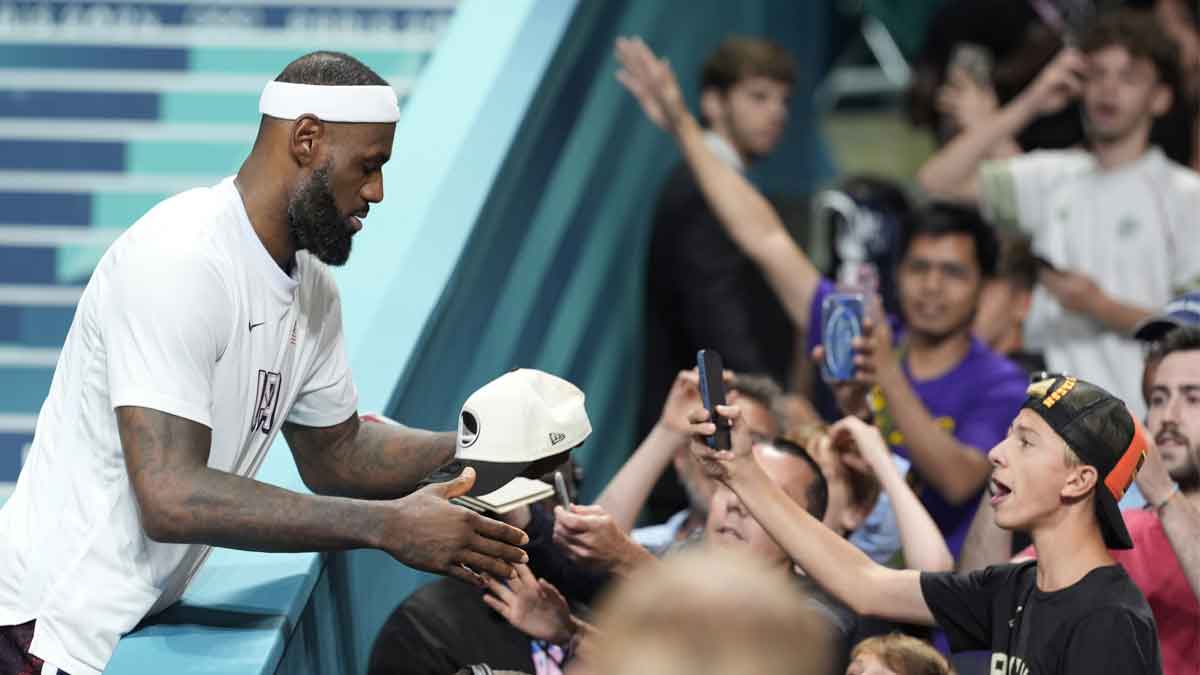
976, 401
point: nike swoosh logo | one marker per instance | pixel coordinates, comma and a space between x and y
256, 325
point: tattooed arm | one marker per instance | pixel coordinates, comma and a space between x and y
182, 499
374, 461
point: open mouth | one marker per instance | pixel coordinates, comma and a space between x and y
999, 491
730, 533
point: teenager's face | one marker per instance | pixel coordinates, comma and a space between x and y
1174, 417
325, 211
939, 281
1029, 473
753, 114
1121, 95
730, 522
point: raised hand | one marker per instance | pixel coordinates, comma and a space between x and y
591, 538
723, 465
431, 534
873, 454
533, 606
651, 82
1060, 82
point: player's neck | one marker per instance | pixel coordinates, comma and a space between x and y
1119, 152
266, 202
1067, 551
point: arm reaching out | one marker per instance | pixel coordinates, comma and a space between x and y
834, 563
744, 213
626, 493
182, 500
923, 544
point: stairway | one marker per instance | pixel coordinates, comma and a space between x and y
108, 107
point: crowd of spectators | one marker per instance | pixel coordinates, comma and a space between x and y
1030, 357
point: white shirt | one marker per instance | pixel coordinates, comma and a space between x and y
188, 314
1135, 230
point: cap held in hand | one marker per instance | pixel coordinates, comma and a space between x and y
523, 422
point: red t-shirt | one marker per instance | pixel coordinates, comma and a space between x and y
1152, 565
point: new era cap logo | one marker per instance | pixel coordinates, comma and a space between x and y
556, 438
468, 429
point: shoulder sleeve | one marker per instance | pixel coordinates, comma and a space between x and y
962, 603
165, 317
327, 395
1112, 640
986, 422
1185, 236
1014, 192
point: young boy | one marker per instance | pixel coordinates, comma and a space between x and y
1070, 454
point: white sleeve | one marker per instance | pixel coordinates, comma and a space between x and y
1185, 240
1014, 192
165, 321
327, 395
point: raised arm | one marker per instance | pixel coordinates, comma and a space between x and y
627, 492
952, 174
744, 213
923, 544
374, 460
841, 569
182, 500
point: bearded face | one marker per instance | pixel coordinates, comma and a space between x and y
316, 224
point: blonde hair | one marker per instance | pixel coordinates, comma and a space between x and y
709, 611
904, 654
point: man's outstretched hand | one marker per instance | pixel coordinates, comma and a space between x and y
651, 82
429, 533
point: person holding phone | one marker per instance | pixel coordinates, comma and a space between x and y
1071, 452
1117, 223
923, 389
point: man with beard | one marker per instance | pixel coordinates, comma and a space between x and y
1114, 225
208, 327
1164, 562
923, 391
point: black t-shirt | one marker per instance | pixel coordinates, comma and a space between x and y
1101, 624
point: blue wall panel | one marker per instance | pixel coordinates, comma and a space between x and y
32, 265
61, 155
79, 105
45, 208
10, 455
38, 55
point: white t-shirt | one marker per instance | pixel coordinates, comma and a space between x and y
1134, 230
188, 314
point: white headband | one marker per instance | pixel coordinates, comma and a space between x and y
365, 103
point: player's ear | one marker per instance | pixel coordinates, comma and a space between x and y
304, 140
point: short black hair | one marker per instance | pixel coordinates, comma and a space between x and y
940, 219
335, 69
1141, 34
1182, 339
741, 57
817, 493
1017, 262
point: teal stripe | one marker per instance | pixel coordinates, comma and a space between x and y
230, 60
122, 209
24, 389
185, 157
207, 107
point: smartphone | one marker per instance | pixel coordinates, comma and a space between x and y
841, 322
712, 392
560, 486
